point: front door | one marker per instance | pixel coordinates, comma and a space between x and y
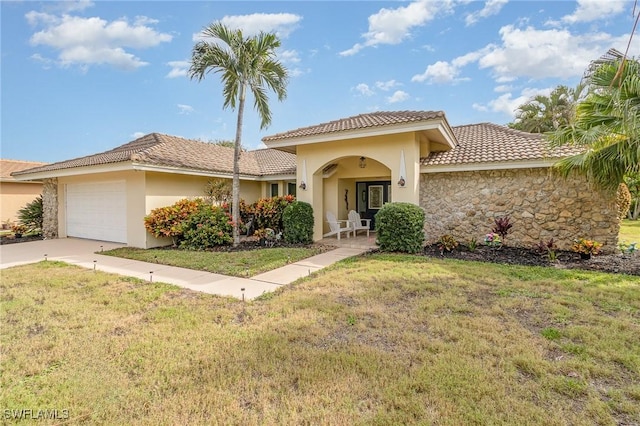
371, 197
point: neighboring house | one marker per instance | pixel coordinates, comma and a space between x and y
463, 177
105, 196
15, 194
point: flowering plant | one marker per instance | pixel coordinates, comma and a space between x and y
19, 229
586, 246
493, 240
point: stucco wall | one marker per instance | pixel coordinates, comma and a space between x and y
541, 204
16, 195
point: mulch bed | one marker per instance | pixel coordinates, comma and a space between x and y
613, 263
10, 239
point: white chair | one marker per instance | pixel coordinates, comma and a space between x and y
336, 226
357, 223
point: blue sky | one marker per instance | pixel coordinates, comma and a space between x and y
83, 77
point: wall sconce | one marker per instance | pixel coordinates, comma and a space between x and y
401, 182
362, 163
303, 186
303, 177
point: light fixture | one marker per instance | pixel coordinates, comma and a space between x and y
303, 186
401, 182
362, 163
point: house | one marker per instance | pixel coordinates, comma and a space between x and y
15, 194
463, 177
105, 196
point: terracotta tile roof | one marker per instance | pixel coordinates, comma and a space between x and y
362, 121
171, 151
487, 142
9, 166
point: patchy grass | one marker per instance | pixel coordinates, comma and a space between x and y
380, 339
629, 231
242, 263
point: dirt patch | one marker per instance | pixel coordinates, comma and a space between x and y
613, 263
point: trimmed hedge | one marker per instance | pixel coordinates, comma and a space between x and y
400, 227
297, 219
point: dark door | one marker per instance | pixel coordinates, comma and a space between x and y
372, 196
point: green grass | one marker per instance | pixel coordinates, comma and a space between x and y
238, 263
379, 339
629, 231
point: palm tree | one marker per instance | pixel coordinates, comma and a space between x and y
606, 124
542, 114
244, 63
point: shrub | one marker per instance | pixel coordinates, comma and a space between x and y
472, 244
502, 226
447, 243
547, 248
209, 227
268, 211
297, 220
31, 215
400, 227
587, 247
167, 221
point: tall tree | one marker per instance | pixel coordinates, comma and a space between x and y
244, 63
607, 123
542, 114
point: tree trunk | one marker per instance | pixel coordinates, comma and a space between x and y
235, 202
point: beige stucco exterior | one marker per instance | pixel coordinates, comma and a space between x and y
16, 195
383, 162
146, 191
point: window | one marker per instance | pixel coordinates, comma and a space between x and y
274, 189
291, 188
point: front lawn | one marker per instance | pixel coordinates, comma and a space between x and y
241, 263
630, 231
378, 339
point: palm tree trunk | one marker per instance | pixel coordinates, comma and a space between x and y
235, 202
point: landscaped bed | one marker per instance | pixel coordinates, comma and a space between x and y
378, 339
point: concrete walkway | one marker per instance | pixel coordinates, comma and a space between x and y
85, 253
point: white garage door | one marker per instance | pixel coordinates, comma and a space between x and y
97, 211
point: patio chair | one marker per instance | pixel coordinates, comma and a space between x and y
357, 223
336, 227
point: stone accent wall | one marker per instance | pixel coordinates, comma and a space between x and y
542, 205
50, 208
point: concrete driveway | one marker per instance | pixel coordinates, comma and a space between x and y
60, 249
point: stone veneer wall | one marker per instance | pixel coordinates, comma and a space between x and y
542, 205
50, 208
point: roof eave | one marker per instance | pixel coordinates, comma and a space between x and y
75, 171
492, 165
438, 123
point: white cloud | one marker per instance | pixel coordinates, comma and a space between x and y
387, 85
364, 89
392, 26
441, 72
507, 104
185, 109
491, 7
398, 96
593, 10
136, 135
178, 69
94, 41
503, 88
289, 56
282, 24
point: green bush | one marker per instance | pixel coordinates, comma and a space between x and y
167, 221
400, 228
297, 220
268, 212
31, 215
207, 228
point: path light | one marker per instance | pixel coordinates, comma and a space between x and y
150, 276
242, 290
101, 249
94, 265
362, 163
45, 257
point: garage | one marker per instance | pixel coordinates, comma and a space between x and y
97, 211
